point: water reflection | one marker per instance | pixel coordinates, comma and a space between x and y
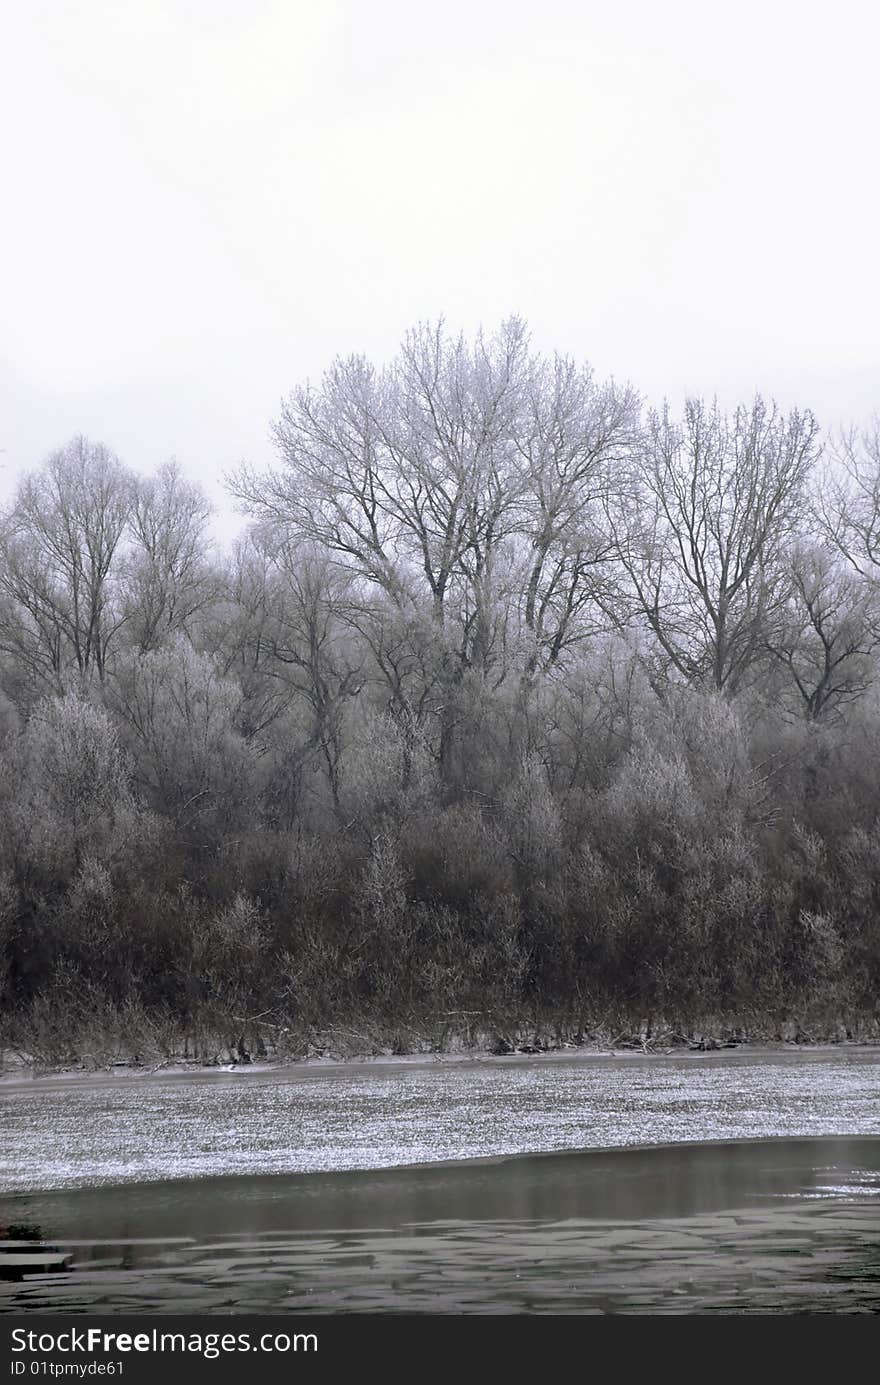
751, 1226
621, 1185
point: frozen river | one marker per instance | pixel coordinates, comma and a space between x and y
79, 1132
727, 1182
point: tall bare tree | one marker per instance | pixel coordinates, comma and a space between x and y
574, 436
458, 487
850, 498
700, 529
60, 608
829, 632
405, 475
409, 479
169, 578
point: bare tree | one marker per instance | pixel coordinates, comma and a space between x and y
850, 498
168, 575
60, 606
285, 635
409, 479
238, 631
829, 633
404, 475
575, 435
330, 487
458, 487
700, 528
310, 647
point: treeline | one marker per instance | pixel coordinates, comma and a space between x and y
517, 704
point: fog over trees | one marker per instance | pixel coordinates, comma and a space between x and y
519, 702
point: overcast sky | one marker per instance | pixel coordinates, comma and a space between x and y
204, 200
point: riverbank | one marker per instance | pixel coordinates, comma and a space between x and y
16, 1071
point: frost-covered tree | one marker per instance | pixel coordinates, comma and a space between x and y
700, 531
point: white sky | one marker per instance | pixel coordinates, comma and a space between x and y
204, 200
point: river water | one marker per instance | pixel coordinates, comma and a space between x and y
726, 1182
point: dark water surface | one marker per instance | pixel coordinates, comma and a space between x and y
788, 1224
